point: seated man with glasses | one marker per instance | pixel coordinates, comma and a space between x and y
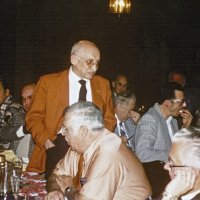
155, 130
98, 165
184, 166
56, 91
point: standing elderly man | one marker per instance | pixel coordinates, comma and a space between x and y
56, 91
155, 130
108, 170
184, 166
127, 118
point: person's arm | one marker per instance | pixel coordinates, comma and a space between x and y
58, 182
145, 139
109, 118
8, 132
35, 118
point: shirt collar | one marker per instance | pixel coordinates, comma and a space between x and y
75, 77
169, 119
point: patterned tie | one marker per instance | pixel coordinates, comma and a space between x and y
122, 132
79, 173
83, 90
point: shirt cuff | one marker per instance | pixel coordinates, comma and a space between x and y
20, 132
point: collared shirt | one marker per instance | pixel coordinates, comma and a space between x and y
190, 195
74, 88
111, 170
169, 126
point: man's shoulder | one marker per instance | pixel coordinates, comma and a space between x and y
99, 78
16, 105
153, 112
56, 75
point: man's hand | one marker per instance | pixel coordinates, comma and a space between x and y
64, 182
134, 116
49, 144
182, 183
124, 139
186, 117
55, 195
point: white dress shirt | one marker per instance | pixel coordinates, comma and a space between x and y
74, 88
169, 126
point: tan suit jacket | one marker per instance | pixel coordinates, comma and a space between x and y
45, 119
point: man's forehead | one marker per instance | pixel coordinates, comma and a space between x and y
179, 94
121, 79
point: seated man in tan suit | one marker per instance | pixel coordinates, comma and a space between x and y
56, 91
108, 169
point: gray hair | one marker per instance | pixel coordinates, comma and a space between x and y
191, 135
85, 113
124, 98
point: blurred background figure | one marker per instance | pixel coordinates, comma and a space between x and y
26, 95
184, 166
127, 118
11, 117
120, 84
24, 147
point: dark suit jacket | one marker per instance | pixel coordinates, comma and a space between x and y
45, 118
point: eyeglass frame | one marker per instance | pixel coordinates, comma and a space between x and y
171, 166
93, 62
181, 102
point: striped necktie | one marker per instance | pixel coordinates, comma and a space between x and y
122, 131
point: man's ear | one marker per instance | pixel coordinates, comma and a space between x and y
167, 103
84, 131
7, 92
73, 59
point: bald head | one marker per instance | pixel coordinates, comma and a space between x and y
26, 94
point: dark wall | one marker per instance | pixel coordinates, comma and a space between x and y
158, 36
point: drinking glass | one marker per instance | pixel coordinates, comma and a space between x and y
17, 166
15, 184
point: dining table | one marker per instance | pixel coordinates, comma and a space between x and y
32, 184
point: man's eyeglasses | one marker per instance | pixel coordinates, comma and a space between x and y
181, 102
177, 166
90, 62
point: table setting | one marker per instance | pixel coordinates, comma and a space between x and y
16, 183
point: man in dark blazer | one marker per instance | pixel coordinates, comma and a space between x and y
127, 118
56, 91
184, 166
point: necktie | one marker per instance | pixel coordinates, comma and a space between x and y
79, 173
122, 132
83, 90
